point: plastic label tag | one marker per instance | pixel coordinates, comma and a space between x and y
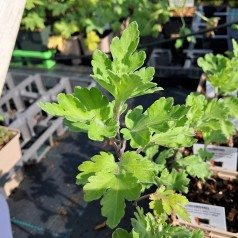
224, 157
235, 122
207, 215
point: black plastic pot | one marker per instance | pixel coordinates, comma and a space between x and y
33, 41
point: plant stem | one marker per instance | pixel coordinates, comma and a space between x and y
139, 150
118, 143
141, 198
216, 92
117, 109
116, 148
183, 22
202, 16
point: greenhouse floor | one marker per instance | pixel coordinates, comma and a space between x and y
49, 204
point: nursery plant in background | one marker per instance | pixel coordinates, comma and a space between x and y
67, 19
216, 134
150, 16
34, 30
34, 17
230, 3
210, 118
71, 18
184, 29
130, 174
222, 74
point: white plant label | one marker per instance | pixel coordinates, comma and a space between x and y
235, 121
224, 157
181, 3
209, 90
207, 215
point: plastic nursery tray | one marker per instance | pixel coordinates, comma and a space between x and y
21, 57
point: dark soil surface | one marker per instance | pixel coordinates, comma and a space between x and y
219, 192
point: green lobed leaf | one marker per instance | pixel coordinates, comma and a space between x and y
68, 106
196, 104
98, 185
104, 162
209, 117
157, 207
122, 187
122, 50
141, 168
144, 225
73, 107
194, 166
215, 109
121, 76
101, 64
231, 103
104, 178
197, 234
175, 138
120, 233
149, 226
33, 21
188, 234
146, 74
130, 85
94, 102
136, 130
163, 155
228, 128
86, 110
31, 4
214, 136
98, 129
205, 155
150, 151
176, 180
171, 202
66, 27
212, 64
159, 117
227, 79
